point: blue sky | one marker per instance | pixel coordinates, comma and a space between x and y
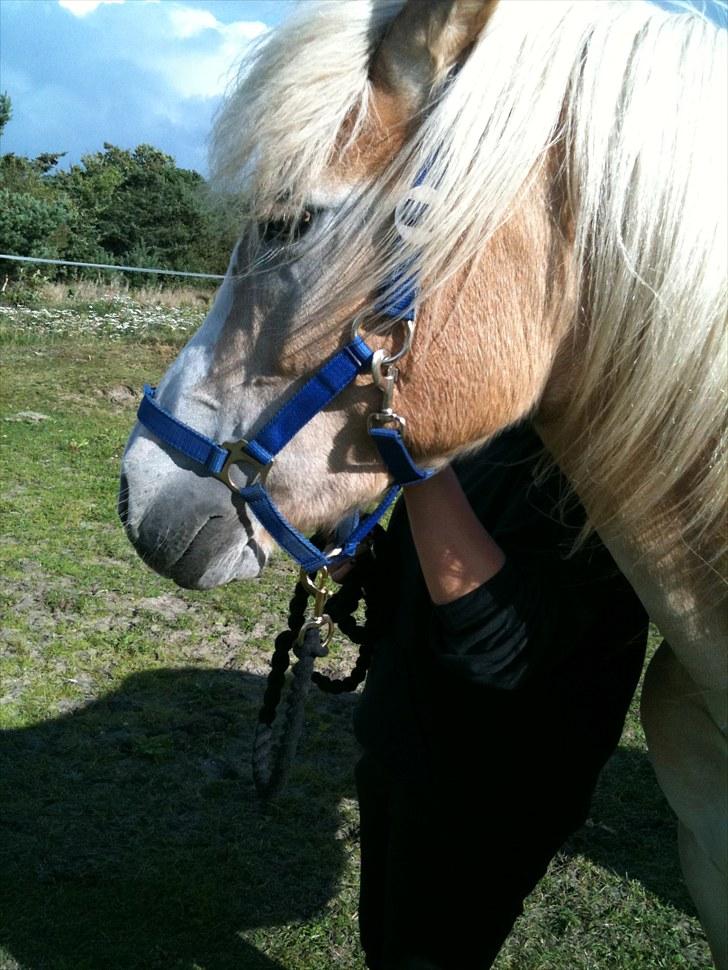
82, 72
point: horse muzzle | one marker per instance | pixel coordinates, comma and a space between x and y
190, 530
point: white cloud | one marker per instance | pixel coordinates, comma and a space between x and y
81, 8
194, 72
183, 44
188, 21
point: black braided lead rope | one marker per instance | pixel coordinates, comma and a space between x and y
272, 762
271, 766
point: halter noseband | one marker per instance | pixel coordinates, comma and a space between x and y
384, 427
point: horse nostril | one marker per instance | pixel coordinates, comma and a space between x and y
123, 504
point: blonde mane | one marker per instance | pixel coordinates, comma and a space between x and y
636, 96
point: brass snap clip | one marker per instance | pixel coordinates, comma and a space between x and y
384, 375
320, 587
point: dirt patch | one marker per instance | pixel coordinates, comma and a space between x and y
29, 417
168, 606
119, 394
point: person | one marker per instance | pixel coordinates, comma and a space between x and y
504, 663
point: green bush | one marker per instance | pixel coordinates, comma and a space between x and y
118, 206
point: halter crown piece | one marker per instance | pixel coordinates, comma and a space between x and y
384, 426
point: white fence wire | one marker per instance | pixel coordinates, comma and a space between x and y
124, 269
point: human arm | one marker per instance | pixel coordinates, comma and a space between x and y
508, 609
456, 553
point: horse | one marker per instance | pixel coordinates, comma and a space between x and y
553, 176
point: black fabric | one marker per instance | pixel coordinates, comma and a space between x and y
485, 722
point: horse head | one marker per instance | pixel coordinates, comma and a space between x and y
311, 261
456, 143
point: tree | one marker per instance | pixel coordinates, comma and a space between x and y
35, 218
140, 202
44, 162
6, 111
32, 225
116, 206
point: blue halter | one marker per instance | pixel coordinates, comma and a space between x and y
259, 452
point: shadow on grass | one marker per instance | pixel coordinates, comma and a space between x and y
632, 830
133, 836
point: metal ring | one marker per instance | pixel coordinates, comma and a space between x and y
320, 622
239, 456
355, 324
406, 344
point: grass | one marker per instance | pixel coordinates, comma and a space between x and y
132, 835
32, 288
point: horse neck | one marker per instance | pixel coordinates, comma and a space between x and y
683, 594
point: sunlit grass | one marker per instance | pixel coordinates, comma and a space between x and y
132, 834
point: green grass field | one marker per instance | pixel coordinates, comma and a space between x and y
131, 834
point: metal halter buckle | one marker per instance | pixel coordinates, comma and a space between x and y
239, 456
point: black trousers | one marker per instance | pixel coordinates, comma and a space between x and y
452, 843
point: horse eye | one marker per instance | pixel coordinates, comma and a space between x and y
282, 232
